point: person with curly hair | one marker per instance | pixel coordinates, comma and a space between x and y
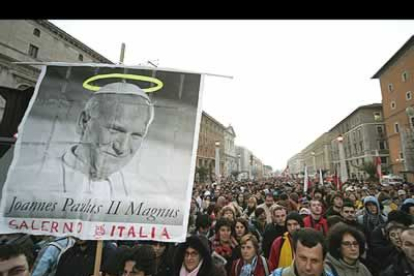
345, 246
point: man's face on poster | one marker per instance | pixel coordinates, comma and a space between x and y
113, 128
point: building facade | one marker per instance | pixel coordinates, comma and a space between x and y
396, 78
251, 167
317, 155
230, 157
30, 41
363, 137
37, 41
211, 134
244, 156
296, 164
267, 171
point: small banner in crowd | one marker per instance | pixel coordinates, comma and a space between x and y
105, 152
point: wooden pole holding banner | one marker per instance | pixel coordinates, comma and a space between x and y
99, 246
98, 258
121, 58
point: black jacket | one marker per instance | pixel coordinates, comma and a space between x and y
166, 266
381, 249
81, 262
271, 232
208, 268
400, 267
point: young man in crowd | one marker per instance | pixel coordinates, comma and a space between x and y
281, 252
15, 260
310, 251
315, 220
269, 202
274, 229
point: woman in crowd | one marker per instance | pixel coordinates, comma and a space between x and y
345, 246
192, 258
251, 262
223, 243
241, 228
241, 201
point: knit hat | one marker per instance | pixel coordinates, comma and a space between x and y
405, 207
295, 216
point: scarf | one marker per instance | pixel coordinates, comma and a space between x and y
225, 250
184, 272
248, 269
373, 220
286, 252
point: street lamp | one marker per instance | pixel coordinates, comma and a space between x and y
314, 161
344, 172
238, 166
217, 168
250, 167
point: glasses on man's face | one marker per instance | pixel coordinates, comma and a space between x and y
349, 244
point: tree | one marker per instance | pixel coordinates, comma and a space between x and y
202, 173
369, 168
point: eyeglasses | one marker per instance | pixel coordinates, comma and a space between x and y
193, 254
349, 244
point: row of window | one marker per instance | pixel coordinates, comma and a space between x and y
34, 50
346, 127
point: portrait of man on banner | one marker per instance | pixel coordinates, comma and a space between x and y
112, 127
104, 144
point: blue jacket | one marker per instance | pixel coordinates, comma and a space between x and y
48, 258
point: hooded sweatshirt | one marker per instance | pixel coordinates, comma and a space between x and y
343, 269
370, 221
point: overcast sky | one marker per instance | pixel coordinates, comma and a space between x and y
293, 80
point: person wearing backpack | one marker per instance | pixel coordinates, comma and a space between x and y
48, 257
251, 263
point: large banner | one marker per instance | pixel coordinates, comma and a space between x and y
105, 152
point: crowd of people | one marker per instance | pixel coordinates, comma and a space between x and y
244, 228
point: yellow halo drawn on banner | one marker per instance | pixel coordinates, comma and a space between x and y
95, 88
